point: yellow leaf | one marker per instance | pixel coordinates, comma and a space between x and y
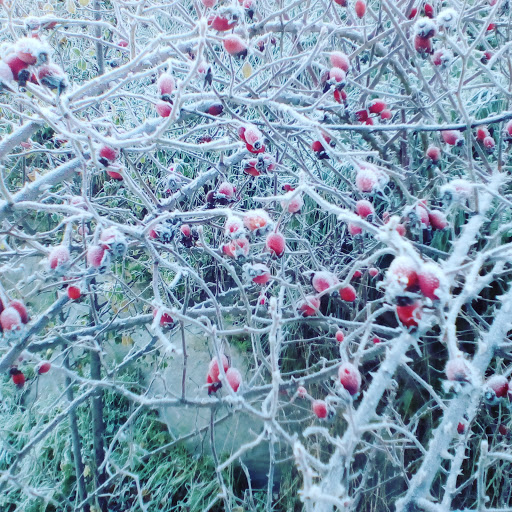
48, 8
126, 341
247, 69
83, 3
87, 470
33, 175
70, 6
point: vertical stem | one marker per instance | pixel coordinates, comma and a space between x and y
75, 441
98, 427
270, 484
98, 33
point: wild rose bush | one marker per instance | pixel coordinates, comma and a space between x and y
323, 185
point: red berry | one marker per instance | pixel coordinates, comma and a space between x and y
275, 244
95, 256
377, 106
20, 308
301, 392
457, 370
354, 229
74, 292
323, 280
225, 191
489, 143
319, 407
317, 146
482, 132
437, 219
256, 221
309, 306
503, 430
58, 256
423, 45
338, 76
294, 205
364, 208
44, 367
221, 23
237, 248
429, 11
461, 428
403, 272
340, 96
215, 110
499, 384
214, 370
114, 174
386, 114
340, 60
437, 58
18, 378
108, 153
360, 8
452, 137
366, 180
235, 45
434, 153
409, 313
166, 84
357, 274
163, 108
259, 273
234, 378
350, 378
376, 340
373, 271
413, 13
165, 319
429, 279
362, 115
10, 319
339, 336
185, 230
348, 293
400, 229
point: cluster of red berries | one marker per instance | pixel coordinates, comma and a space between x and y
107, 157
28, 60
256, 223
376, 106
18, 377
409, 283
322, 281
233, 376
350, 379
166, 85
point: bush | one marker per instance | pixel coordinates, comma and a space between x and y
255, 256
